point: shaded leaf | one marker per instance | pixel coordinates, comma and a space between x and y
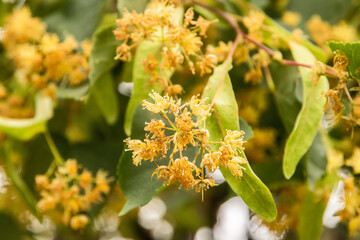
104, 49
311, 217
24, 129
352, 52
308, 120
136, 181
105, 96
244, 126
101, 63
225, 116
70, 21
316, 161
287, 84
19, 184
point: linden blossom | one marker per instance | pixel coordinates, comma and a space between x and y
74, 192
160, 23
40, 58
182, 133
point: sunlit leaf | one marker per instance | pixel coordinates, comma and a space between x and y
225, 116
24, 129
141, 80
352, 52
308, 119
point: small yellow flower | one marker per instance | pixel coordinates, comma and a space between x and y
211, 161
160, 103
71, 192
354, 161
79, 221
291, 18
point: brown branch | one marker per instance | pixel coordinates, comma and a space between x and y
233, 23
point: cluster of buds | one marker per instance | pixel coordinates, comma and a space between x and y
74, 191
181, 126
40, 58
160, 23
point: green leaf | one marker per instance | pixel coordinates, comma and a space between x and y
104, 49
136, 181
311, 216
70, 21
141, 79
308, 120
137, 5
19, 184
287, 101
101, 63
225, 116
352, 52
105, 96
316, 161
244, 126
24, 129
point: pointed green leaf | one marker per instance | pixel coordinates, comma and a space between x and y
24, 129
101, 63
352, 52
308, 119
141, 79
225, 116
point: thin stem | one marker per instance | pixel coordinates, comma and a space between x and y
348, 94
57, 156
269, 79
167, 118
51, 169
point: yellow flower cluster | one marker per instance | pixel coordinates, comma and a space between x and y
321, 31
183, 125
40, 57
159, 23
74, 191
254, 22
